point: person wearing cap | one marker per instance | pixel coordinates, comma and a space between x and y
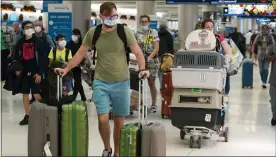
265, 42
74, 46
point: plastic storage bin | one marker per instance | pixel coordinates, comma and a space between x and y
199, 78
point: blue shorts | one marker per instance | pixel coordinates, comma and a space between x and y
115, 94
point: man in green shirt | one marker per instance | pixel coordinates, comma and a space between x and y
111, 85
5, 51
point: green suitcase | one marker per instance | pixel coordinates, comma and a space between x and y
74, 130
130, 141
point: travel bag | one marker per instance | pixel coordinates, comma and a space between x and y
167, 93
142, 138
74, 129
43, 128
247, 73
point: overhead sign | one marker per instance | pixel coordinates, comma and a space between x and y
46, 2
60, 20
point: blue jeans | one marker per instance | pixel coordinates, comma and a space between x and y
116, 94
227, 85
263, 67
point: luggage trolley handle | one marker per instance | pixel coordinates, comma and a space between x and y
142, 89
59, 85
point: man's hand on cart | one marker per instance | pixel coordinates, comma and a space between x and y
143, 74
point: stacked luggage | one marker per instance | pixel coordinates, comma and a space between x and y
58, 127
143, 139
197, 106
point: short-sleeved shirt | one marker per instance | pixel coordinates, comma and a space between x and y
147, 39
60, 55
111, 56
260, 41
272, 79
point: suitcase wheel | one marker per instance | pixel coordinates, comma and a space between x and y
163, 116
182, 134
225, 134
199, 141
192, 141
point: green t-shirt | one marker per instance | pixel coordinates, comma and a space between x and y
111, 56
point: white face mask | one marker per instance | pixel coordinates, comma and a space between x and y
38, 29
75, 38
62, 43
29, 32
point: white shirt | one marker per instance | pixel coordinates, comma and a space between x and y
248, 36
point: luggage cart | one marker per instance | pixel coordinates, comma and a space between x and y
201, 114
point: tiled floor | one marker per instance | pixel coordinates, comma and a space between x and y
248, 118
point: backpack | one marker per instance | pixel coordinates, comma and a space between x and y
67, 51
121, 34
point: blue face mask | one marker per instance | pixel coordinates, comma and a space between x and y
145, 28
110, 22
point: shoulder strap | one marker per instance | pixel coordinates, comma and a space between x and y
122, 35
54, 54
95, 38
67, 51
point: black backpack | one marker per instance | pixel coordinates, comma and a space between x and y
67, 51
121, 34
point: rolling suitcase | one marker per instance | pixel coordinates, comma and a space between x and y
167, 92
43, 130
247, 73
74, 129
141, 138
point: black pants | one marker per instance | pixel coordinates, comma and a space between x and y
4, 63
78, 88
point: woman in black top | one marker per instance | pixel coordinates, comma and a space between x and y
74, 46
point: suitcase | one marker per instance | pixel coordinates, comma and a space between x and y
167, 92
74, 130
142, 138
43, 129
247, 73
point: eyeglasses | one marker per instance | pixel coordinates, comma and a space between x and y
113, 17
144, 22
28, 27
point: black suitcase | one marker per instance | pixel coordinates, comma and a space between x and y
134, 80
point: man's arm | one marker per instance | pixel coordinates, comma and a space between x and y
170, 42
136, 50
254, 43
78, 57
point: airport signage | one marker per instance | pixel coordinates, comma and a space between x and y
46, 2
60, 20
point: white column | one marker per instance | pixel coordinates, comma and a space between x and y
81, 15
187, 19
145, 7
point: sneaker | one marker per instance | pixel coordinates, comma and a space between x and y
32, 100
152, 109
107, 153
273, 122
83, 99
25, 120
264, 86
